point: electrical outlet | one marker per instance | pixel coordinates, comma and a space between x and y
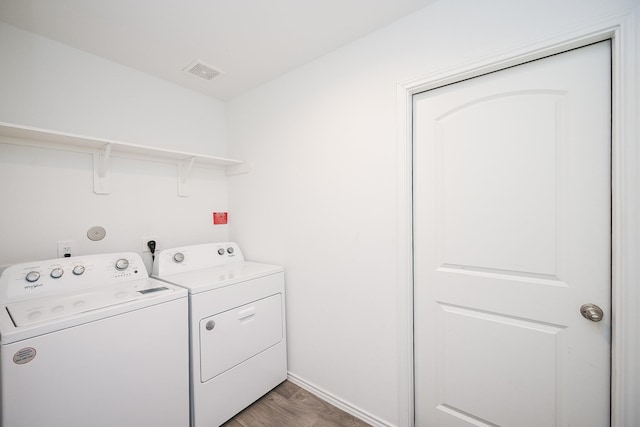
145, 247
66, 248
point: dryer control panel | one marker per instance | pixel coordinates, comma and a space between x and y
196, 257
66, 275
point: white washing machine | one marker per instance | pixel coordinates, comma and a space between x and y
237, 323
92, 341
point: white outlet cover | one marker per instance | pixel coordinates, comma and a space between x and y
66, 247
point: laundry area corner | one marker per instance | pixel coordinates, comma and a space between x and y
284, 133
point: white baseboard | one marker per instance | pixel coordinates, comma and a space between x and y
337, 402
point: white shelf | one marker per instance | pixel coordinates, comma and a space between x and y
103, 149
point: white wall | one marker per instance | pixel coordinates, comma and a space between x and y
321, 199
49, 85
48, 195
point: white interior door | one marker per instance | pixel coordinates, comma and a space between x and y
512, 235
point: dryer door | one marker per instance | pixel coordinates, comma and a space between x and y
233, 336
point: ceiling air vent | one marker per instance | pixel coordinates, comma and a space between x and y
202, 70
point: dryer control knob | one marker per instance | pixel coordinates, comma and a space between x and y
210, 325
221, 251
78, 270
122, 264
32, 276
178, 257
56, 273
229, 250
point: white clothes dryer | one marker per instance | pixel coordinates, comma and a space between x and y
92, 341
237, 327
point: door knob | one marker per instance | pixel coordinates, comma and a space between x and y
592, 312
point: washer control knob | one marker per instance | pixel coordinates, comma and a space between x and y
78, 270
122, 264
178, 257
210, 325
32, 276
229, 250
56, 273
221, 251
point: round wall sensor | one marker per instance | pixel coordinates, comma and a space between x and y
96, 233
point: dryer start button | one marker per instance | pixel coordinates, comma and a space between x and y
122, 264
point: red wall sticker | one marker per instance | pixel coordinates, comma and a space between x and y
220, 218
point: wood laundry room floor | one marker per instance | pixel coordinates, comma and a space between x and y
288, 405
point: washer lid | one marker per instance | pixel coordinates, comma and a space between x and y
37, 310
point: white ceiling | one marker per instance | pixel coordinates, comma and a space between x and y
251, 41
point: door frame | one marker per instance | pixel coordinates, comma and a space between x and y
625, 162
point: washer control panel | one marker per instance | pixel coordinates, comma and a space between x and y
196, 257
64, 275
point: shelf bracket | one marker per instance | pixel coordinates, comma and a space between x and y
101, 159
239, 169
184, 171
